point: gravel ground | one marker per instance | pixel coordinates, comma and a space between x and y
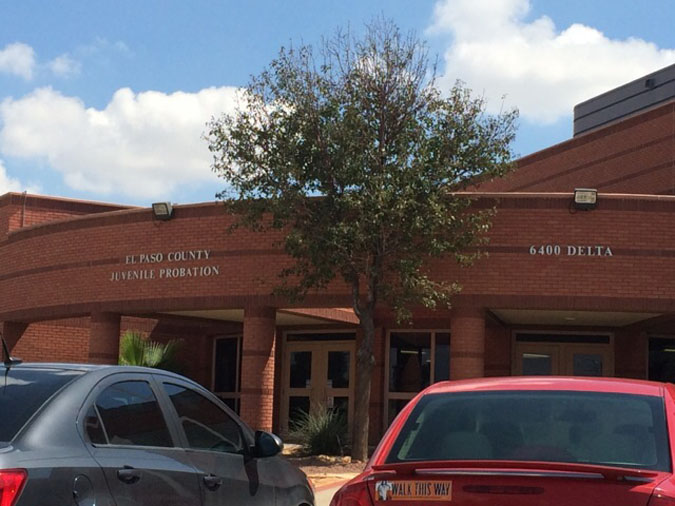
323, 469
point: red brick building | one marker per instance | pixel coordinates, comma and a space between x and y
562, 290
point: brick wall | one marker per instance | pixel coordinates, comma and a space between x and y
635, 156
67, 340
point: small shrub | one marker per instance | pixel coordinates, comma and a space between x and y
138, 350
321, 432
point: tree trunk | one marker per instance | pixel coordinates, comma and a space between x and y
365, 362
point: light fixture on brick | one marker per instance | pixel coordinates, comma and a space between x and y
585, 198
162, 210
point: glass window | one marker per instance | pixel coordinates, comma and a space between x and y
587, 364
537, 364
131, 415
586, 427
93, 427
563, 338
409, 361
301, 369
320, 336
206, 426
662, 359
225, 373
298, 407
338, 369
442, 357
23, 391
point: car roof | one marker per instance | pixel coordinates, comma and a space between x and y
54, 365
87, 368
559, 383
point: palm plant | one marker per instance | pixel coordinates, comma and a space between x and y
137, 350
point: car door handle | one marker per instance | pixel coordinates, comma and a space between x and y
212, 482
128, 475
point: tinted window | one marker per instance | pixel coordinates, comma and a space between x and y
662, 359
93, 427
131, 416
23, 392
225, 371
591, 428
206, 426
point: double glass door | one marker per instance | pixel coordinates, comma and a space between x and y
316, 375
564, 359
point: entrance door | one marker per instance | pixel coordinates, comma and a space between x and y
316, 374
534, 359
588, 360
565, 359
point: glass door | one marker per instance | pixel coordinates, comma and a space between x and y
534, 359
589, 360
315, 375
565, 359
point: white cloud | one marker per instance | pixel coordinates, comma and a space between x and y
64, 66
142, 145
542, 70
18, 59
10, 184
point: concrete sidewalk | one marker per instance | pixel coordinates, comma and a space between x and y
325, 493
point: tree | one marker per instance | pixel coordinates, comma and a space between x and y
136, 350
362, 160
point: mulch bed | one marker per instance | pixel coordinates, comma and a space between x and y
323, 469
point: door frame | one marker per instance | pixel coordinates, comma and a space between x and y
320, 350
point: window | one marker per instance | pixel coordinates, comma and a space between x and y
226, 360
23, 391
662, 359
206, 426
552, 426
416, 359
129, 415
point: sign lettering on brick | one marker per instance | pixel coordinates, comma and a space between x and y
142, 266
571, 250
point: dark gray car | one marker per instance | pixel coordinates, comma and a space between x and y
128, 436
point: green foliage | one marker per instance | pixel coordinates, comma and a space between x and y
364, 161
136, 350
321, 432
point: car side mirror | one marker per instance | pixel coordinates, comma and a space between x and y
267, 444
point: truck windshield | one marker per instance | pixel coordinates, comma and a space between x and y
595, 428
23, 391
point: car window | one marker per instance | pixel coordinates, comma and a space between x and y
206, 425
585, 427
23, 391
129, 415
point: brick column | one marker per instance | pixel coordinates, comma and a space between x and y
467, 343
104, 338
257, 367
12, 332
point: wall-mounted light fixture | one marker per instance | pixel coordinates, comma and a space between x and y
162, 210
585, 198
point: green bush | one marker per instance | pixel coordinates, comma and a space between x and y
320, 432
137, 350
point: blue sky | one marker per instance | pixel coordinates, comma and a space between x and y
107, 100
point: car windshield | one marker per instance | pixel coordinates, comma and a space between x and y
23, 391
552, 426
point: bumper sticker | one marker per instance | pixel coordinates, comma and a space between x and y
413, 490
